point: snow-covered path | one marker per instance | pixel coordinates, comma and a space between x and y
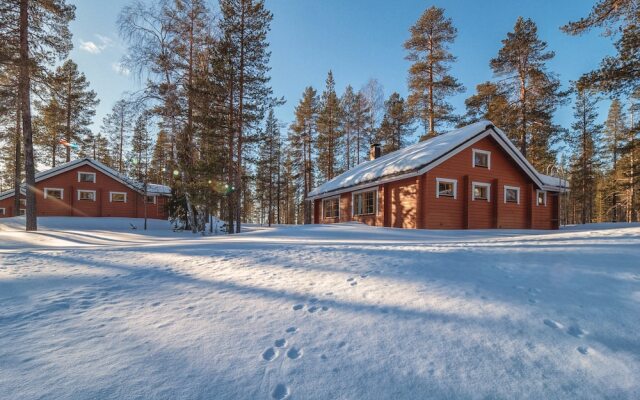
321, 312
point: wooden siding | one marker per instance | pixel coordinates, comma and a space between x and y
71, 206
412, 202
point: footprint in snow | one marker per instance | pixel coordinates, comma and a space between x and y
292, 329
354, 283
350, 279
552, 324
298, 307
294, 353
270, 354
575, 330
583, 350
281, 342
281, 392
313, 309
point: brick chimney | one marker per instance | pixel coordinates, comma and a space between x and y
374, 151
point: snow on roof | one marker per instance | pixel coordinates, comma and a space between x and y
402, 161
412, 158
554, 181
152, 188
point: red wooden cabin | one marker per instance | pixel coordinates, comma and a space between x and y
469, 178
88, 188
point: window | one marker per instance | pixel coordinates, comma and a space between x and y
481, 191
446, 187
22, 211
364, 203
331, 207
2, 211
481, 158
150, 199
87, 177
88, 195
117, 197
23, 202
541, 197
511, 194
53, 193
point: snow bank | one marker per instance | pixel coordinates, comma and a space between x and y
319, 312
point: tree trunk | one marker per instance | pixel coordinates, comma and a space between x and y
27, 131
17, 176
68, 120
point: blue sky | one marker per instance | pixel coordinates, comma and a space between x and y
358, 40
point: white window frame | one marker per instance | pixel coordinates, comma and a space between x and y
481, 184
473, 158
154, 199
46, 193
331, 198
447, 180
3, 211
111, 197
544, 203
86, 191
86, 173
516, 188
353, 203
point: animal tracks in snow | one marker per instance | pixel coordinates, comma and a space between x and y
294, 353
281, 392
270, 354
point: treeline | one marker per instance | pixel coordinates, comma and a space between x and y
204, 122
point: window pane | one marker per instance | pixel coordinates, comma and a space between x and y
87, 196
54, 194
481, 160
86, 177
541, 196
480, 192
445, 189
330, 208
118, 197
512, 195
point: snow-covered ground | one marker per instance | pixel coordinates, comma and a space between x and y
318, 312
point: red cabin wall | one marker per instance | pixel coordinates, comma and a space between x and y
69, 205
412, 202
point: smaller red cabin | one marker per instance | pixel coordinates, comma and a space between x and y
88, 188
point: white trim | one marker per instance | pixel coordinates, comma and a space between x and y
353, 208
4, 211
516, 188
86, 173
86, 191
482, 184
150, 195
46, 192
330, 198
473, 158
446, 180
111, 197
544, 203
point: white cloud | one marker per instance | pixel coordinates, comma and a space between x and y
120, 69
92, 47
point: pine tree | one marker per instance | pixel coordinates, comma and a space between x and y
140, 146
302, 139
630, 161
617, 74
429, 80
490, 102
161, 160
396, 124
41, 35
329, 131
584, 137
615, 128
47, 127
535, 92
268, 169
355, 111
117, 126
